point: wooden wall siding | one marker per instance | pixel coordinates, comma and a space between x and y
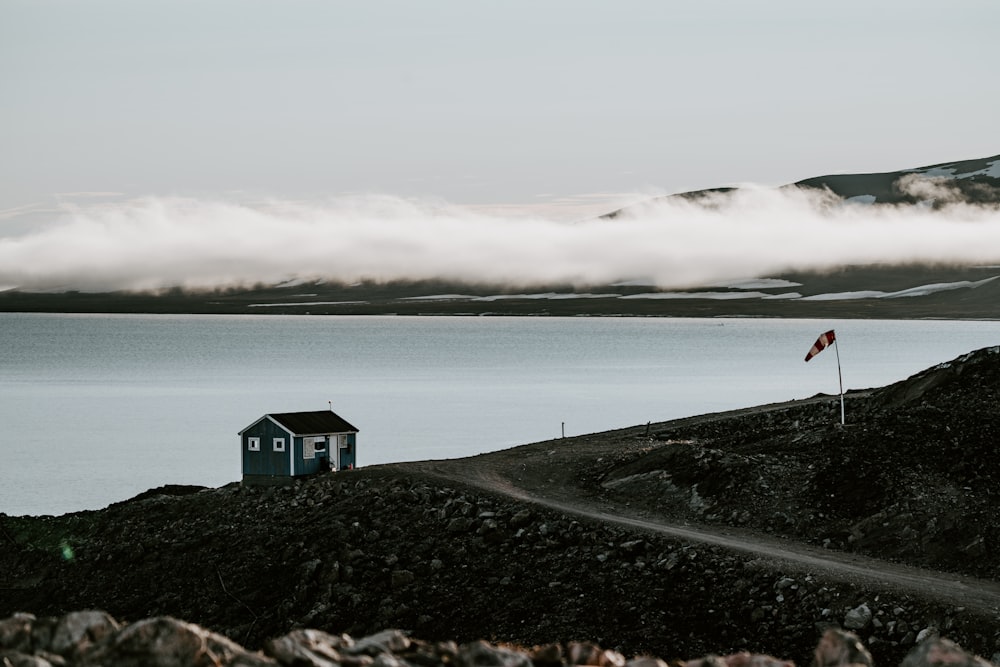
306, 466
266, 461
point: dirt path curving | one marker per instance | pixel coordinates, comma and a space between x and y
541, 474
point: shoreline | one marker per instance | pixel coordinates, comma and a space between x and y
879, 292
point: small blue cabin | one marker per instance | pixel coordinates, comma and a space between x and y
279, 447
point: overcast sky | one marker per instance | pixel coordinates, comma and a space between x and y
484, 103
148, 143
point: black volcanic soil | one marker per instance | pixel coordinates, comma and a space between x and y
753, 529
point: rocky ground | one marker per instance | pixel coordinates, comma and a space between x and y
754, 530
95, 638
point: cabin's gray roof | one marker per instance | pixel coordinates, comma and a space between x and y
313, 423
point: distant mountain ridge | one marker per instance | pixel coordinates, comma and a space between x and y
974, 181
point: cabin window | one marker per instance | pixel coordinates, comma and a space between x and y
279, 444
312, 445
345, 444
253, 444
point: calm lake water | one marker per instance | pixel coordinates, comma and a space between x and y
98, 408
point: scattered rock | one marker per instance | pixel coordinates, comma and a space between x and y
167, 642
309, 648
92, 638
387, 641
858, 618
401, 578
77, 631
939, 652
837, 648
482, 654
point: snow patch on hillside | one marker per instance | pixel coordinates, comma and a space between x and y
949, 171
862, 199
720, 296
756, 283
921, 290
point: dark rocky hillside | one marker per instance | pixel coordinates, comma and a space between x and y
971, 181
751, 530
912, 477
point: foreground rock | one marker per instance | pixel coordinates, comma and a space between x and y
89, 638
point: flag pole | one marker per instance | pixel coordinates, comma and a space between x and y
840, 377
821, 344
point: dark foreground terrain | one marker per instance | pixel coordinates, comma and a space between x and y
754, 530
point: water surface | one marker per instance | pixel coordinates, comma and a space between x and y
98, 408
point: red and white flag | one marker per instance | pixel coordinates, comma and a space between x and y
821, 343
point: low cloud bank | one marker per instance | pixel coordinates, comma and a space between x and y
155, 243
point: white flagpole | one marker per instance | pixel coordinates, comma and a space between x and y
840, 377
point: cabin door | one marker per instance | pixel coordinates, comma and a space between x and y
333, 449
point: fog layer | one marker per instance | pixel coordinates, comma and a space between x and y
155, 243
